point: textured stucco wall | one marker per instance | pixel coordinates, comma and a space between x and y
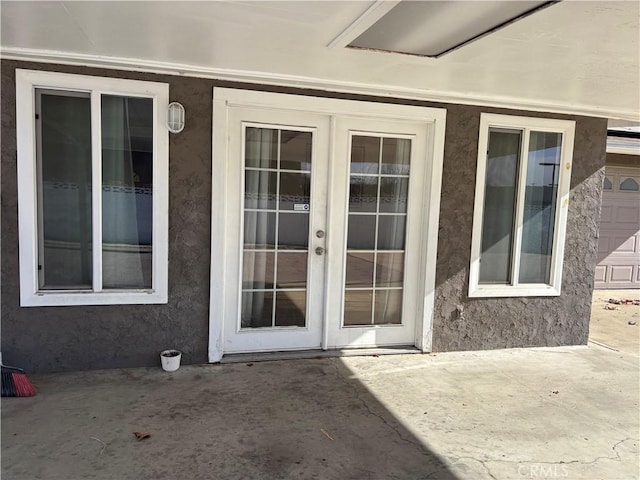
461, 323
80, 338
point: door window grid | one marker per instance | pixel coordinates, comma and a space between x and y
276, 295
374, 288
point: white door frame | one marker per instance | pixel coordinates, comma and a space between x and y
222, 295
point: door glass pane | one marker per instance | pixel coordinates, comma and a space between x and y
503, 159
295, 150
388, 307
379, 184
543, 169
64, 191
359, 271
276, 227
291, 308
127, 191
358, 307
257, 309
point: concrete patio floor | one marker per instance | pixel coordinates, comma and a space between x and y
568, 412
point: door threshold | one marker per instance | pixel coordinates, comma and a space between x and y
302, 354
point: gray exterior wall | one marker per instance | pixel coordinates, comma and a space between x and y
91, 337
622, 160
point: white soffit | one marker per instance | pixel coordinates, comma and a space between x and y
576, 57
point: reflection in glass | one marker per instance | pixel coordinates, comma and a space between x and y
388, 307
292, 270
389, 269
396, 153
260, 189
363, 193
64, 159
365, 154
257, 270
295, 190
295, 150
361, 232
127, 191
391, 232
257, 308
261, 147
358, 307
359, 272
259, 230
543, 169
393, 194
291, 308
293, 231
503, 159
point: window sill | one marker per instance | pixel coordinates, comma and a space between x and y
121, 297
531, 290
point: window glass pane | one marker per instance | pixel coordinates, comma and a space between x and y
127, 191
607, 185
257, 309
543, 169
291, 309
261, 147
388, 307
396, 153
64, 169
295, 150
389, 269
259, 230
501, 180
365, 154
629, 184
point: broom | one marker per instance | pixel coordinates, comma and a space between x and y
15, 383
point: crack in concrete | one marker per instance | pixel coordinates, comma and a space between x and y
357, 395
481, 462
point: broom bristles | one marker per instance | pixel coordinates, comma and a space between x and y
15, 383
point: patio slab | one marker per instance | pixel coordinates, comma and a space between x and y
568, 412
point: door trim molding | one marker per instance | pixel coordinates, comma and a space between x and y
225, 98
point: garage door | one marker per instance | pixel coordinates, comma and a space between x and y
619, 244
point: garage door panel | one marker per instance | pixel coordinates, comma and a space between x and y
621, 274
619, 243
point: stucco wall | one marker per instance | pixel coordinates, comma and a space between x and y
76, 338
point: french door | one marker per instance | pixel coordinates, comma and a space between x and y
322, 238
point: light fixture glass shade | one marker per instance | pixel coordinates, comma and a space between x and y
175, 117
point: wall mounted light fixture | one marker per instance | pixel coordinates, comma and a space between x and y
175, 117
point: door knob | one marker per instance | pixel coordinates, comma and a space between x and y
319, 250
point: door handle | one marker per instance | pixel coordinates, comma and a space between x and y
319, 251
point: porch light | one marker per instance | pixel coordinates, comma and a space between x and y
175, 117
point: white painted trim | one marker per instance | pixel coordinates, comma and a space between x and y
26, 82
526, 125
223, 100
374, 13
266, 78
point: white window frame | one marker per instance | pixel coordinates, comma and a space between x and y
526, 125
26, 83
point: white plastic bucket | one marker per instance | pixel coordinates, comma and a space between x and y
170, 360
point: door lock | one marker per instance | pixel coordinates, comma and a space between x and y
320, 234
319, 250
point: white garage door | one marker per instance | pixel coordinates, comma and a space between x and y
619, 244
